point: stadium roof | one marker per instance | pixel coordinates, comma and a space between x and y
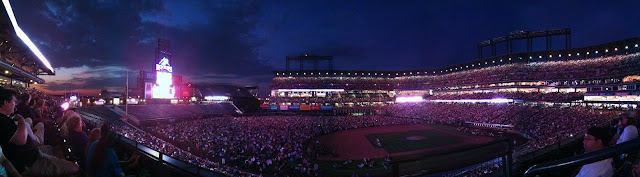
9, 17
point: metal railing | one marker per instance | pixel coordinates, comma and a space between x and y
573, 162
165, 159
505, 152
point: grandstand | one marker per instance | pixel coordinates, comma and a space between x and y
557, 93
578, 70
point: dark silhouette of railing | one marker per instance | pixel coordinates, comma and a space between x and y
503, 149
574, 162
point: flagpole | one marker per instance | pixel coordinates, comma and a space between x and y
126, 103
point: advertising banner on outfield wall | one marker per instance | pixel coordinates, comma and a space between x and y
305, 107
284, 107
273, 107
294, 108
315, 108
326, 108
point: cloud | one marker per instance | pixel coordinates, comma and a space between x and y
86, 77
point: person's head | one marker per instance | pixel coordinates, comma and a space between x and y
628, 118
7, 101
95, 134
69, 114
40, 102
596, 138
74, 123
25, 98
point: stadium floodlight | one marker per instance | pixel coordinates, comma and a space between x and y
559, 55
6, 71
636, 45
626, 47
569, 55
494, 61
579, 53
615, 49
606, 50
500, 60
596, 51
23, 36
277, 74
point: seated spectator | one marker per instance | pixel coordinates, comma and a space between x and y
39, 110
63, 122
595, 139
14, 140
94, 135
6, 168
627, 123
21, 149
76, 137
23, 108
101, 159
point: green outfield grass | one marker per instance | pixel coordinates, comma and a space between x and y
397, 141
394, 142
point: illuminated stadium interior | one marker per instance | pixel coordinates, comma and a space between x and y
519, 113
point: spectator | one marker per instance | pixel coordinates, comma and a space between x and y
101, 159
23, 108
77, 138
6, 168
627, 123
20, 148
595, 139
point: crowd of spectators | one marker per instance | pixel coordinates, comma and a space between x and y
268, 144
336, 98
600, 67
543, 125
525, 96
347, 83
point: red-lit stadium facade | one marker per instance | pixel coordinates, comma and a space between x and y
601, 73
